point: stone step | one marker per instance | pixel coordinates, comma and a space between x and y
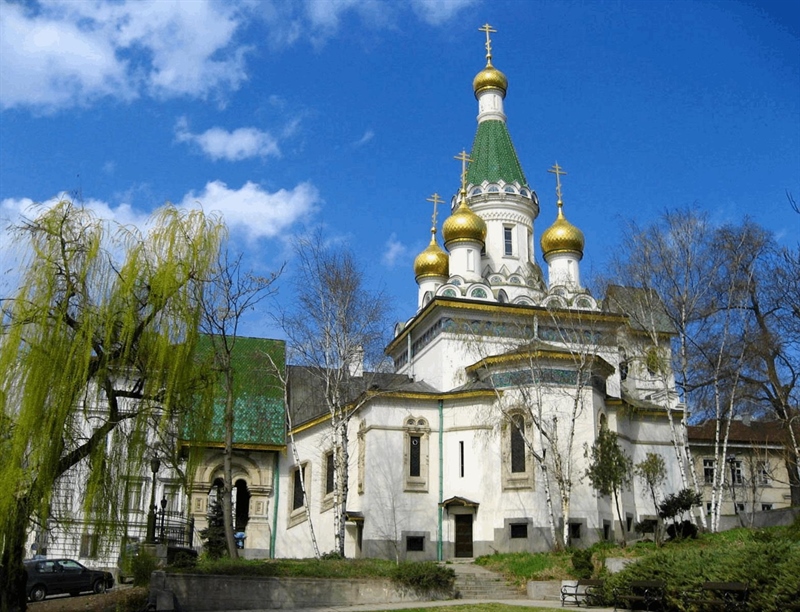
476, 582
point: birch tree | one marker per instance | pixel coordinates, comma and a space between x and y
229, 295
103, 325
547, 383
336, 330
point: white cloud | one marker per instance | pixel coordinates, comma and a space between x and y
255, 212
436, 12
368, 135
61, 53
218, 143
394, 251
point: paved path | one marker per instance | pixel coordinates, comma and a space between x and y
528, 603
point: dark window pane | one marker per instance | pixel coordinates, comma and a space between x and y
517, 446
575, 531
297, 500
519, 530
329, 473
413, 469
415, 543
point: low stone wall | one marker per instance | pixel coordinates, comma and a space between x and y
203, 593
544, 589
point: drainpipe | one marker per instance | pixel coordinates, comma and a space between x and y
439, 555
276, 488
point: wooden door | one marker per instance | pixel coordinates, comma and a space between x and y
463, 535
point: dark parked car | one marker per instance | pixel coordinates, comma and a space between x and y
51, 576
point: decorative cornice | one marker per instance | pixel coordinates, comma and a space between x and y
494, 308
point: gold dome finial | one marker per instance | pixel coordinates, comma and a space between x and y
463, 224
562, 236
433, 261
490, 77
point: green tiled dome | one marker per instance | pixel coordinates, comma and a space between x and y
493, 156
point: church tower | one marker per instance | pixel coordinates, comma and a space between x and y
562, 247
493, 259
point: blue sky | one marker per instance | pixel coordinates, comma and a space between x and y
289, 115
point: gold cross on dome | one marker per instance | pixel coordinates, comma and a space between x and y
436, 200
488, 29
557, 170
464, 158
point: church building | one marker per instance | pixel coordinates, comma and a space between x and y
502, 379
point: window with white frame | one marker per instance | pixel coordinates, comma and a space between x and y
300, 479
517, 468
329, 469
735, 466
133, 496
88, 548
764, 473
415, 464
708, 471
508, 240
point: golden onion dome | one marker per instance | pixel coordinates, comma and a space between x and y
463, 225
433, 261
562, 236
490, 78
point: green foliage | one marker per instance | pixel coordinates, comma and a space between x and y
427, 576
609, 467
213, 536
142, 566
521, 567
582, 563
674, 508
332, 556
767, 564
185, 560
104, 319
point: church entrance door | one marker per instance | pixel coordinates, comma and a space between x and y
463, 535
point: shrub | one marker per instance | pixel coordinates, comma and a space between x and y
142, 565
184, 560
331, 556
582, 563
427, 576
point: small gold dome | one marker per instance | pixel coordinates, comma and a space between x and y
562, 237
490, 78
463, 225
433, 261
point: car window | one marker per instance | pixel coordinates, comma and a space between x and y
45, 567
71, 566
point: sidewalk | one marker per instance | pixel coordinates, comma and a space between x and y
549, 604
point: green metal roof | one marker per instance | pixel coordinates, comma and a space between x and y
259, 408
493, 156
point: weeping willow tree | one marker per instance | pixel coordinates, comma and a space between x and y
96, 349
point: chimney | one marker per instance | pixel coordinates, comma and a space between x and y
355, 362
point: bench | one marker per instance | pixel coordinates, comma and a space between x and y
642, 595
590, 592
724, 596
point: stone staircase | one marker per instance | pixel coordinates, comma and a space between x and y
476, 582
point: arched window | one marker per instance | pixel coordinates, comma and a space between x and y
502, 297
478, 293
517, 469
